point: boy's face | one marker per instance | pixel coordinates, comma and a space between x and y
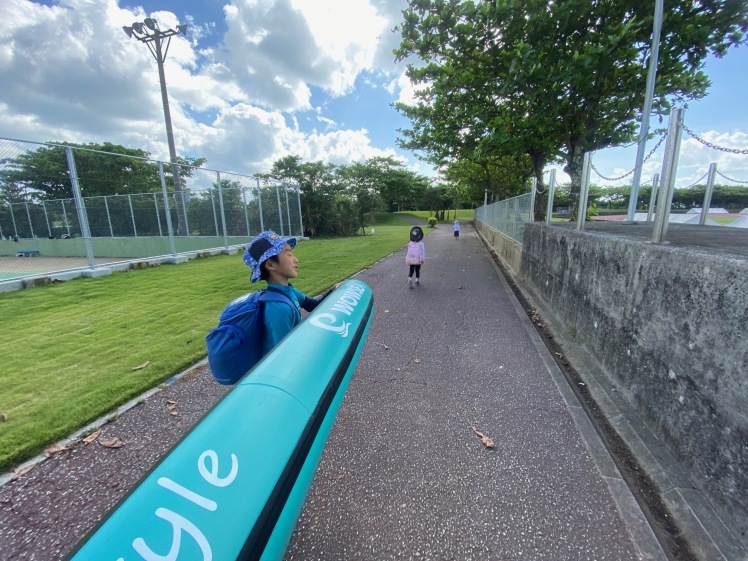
286, 268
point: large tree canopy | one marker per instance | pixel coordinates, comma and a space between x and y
551, 80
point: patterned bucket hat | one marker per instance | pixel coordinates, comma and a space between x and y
264, 246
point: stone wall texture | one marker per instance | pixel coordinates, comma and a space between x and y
669, 327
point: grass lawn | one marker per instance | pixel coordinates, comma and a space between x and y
723, 219
462, 214
70, 349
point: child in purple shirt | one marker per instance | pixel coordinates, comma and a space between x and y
415, 257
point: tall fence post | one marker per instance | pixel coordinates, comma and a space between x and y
81, 208
259, 205
669, 168
708, 193
13, 219
46, 219
167, 209
551, 190
280, 211
301, 219
28, 217
584, 191
108, 217
223, 211
158, 216
213, 206
132, 216
246, 211
533, 194
288, 210
653, 196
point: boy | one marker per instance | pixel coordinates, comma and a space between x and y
272, 259
457, 229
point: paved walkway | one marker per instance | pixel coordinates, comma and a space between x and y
404, 476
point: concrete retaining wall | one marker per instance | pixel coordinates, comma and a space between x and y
509, 251
669, 327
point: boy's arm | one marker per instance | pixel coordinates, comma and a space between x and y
310, 303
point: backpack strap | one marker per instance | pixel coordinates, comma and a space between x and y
270, 295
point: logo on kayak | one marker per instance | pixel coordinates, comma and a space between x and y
345, 304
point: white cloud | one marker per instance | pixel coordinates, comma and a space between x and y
69, 73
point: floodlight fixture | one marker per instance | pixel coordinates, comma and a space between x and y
158, 40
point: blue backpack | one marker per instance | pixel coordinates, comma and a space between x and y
235, 345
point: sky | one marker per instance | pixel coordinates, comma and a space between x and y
256, 80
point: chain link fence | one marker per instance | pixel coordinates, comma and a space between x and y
508, 216
65, 208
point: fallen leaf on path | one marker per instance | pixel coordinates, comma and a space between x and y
386, 311
146, 363
91, 437
113, 442
417, 361
483, 438
23, 471
54, 449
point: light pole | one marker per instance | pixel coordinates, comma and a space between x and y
148, 32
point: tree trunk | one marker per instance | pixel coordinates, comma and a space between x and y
575, 162
541, 196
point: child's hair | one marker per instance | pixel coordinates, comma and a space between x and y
264, 274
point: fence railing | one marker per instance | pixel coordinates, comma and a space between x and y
74, 207
508, 216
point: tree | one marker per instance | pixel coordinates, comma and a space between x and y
361, 182
553, 79
318, 186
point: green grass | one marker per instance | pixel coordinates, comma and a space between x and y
462, 214
69, 348
723, 219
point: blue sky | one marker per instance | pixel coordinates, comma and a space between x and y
256, 80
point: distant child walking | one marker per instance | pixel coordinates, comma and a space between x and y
457, 229
415, 257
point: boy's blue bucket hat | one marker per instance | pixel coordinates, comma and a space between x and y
264, 246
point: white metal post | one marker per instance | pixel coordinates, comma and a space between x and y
584, 191
653, 196
551, 189
644, 130
669, 169
708, 193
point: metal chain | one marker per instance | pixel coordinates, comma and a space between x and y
713, 146
662, 138
731, 179
695, 182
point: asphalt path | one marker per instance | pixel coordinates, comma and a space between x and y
404, 474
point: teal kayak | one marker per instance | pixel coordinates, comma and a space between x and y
234, 487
